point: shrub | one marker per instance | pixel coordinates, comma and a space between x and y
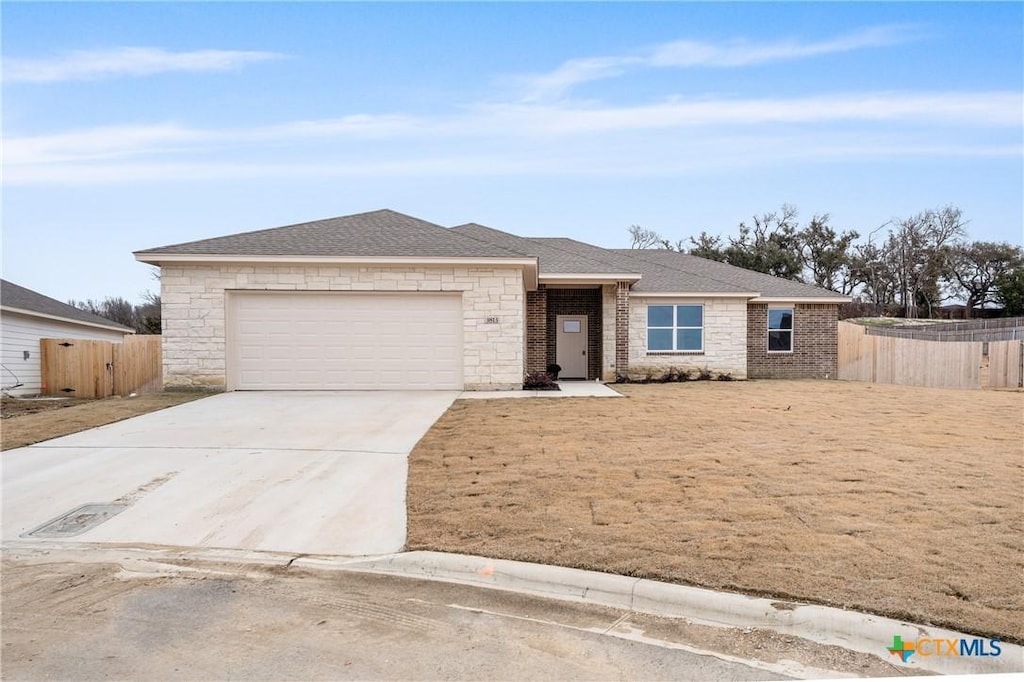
704, 374
539, 381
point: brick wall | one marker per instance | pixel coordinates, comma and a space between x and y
537, 330
576, 302
815, 343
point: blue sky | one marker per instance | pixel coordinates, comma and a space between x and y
130, 126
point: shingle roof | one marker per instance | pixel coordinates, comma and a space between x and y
769, 286
551, 258
14, 296
656, 277
386, 233
382, 233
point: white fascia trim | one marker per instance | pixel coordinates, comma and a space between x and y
692, 294
66, 320
157, 258
590, 277
528, 264
802, 299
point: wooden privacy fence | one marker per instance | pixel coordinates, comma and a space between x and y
1006, 364
936, 364
99, 369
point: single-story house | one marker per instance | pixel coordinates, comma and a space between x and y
383, 300
27, 316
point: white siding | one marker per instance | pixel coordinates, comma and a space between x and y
20, 333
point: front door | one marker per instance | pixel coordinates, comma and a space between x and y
571, 346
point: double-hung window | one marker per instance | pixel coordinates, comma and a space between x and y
780, 330
675, 328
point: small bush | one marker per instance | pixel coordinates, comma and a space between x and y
539, 381
704, 374
725, 376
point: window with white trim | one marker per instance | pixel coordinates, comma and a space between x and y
675, 328
780, 330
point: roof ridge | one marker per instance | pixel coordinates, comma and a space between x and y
599, 260
530, 239
305, 223
484, 241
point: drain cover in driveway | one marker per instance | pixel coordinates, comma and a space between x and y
76, 521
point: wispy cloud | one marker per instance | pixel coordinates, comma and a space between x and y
691, 53
533, 137
125, 61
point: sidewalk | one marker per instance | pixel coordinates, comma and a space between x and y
568, 389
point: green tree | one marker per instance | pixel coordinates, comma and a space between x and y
707, 246
1009, 287
771, 244
827, 255
975, 268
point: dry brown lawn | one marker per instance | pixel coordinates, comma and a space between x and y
29, 421
902, 501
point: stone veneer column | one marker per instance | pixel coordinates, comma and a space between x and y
621, 328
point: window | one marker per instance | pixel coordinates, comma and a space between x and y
677, 328
780, 330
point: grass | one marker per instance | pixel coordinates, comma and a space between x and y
906, 502
29, 421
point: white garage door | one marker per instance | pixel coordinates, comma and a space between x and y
345, 341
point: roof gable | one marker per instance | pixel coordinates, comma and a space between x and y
19, 298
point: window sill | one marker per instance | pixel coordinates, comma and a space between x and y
675, 352
780, 352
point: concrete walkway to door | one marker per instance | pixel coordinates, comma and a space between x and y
305, 472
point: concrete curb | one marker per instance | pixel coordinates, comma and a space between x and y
852, 630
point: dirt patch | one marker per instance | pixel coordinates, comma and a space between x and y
28, 422
907, 502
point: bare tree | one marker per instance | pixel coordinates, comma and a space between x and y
919, 252
643, 238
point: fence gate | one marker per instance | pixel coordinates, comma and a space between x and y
77, 368
99, 369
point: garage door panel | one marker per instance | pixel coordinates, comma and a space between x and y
344, 340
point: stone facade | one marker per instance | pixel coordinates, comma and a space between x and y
608, 332
725, 338
815, 343
193, 301
622, 326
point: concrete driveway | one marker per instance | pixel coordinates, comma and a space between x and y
305, 472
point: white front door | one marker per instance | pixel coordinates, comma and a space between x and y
571, 346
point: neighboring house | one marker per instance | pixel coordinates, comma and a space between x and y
382, 300
26, 317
